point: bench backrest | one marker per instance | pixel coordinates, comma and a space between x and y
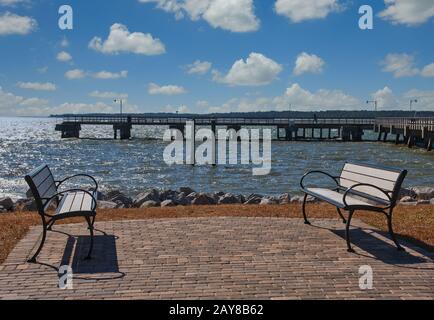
42, 185
388, 179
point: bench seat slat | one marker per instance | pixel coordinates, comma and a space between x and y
75, 202
336, 198
372, 172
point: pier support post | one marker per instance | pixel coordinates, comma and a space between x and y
410, 141
330, 133
430, 143
69, 130
397, 138
385, 137
124, 131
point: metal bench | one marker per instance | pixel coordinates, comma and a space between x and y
359, 187
69, 203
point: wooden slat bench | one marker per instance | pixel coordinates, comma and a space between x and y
69, 203
359, 187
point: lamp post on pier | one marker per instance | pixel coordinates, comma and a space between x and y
374, 102
120, 102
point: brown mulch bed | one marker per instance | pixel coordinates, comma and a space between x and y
413, 223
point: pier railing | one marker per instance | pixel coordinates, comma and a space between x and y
410, 123
138, 120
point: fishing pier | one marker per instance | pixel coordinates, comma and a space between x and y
411, 131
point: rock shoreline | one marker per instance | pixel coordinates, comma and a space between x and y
185, 196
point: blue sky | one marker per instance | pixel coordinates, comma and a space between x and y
250, 55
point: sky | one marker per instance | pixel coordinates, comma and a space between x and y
201, 56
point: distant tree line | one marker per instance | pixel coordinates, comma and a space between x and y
335, 114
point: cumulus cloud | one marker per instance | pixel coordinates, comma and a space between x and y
232, 15
308, 63
64, 56
385, 99
11, 24
199, 67
12, 3
403, 65
102, 75
107, 75
256, 70
108, 95
121, 40
11, 104
37, 86
169, 90
75, 74
388, 100
408, 12
301, 10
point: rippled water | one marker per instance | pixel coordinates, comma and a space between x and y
136, 165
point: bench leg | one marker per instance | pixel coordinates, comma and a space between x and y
304, 210
44, 236
341, 215
392, 234
347, 232
90, 224
50, 225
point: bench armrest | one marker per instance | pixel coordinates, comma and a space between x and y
366, 185
316, 171
57, 195
59, 183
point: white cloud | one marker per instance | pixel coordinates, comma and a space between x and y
12, 3
102, 75
121, 40
11, 104
428, 71
64, 43
308, 63
199, 67
257, 70
295, 96
64, 56
232, 15
155, 89
37, 86
42, 69
106, 75
75, 74
14, 24
385, 99
408, 12
108, 95
301, 10
403, 65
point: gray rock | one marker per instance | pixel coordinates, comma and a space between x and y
300, 199
203, 199
152, 195
268, 201
168, 195
186, 190
150, 204
111, 194
7, 203
106, 204
3, 209
182, 199
407, 193
254, 199
29, 205
168, 203
431, 201
423, 193
285, 198
423, 202
407, 199
29, 194
127, 202
100, 196
414, 203
229, 199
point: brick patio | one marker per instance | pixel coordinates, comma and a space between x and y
217, 258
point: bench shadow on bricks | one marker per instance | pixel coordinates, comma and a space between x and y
104, 263
380, 249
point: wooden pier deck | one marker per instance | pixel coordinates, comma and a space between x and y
411, 131
293, 129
